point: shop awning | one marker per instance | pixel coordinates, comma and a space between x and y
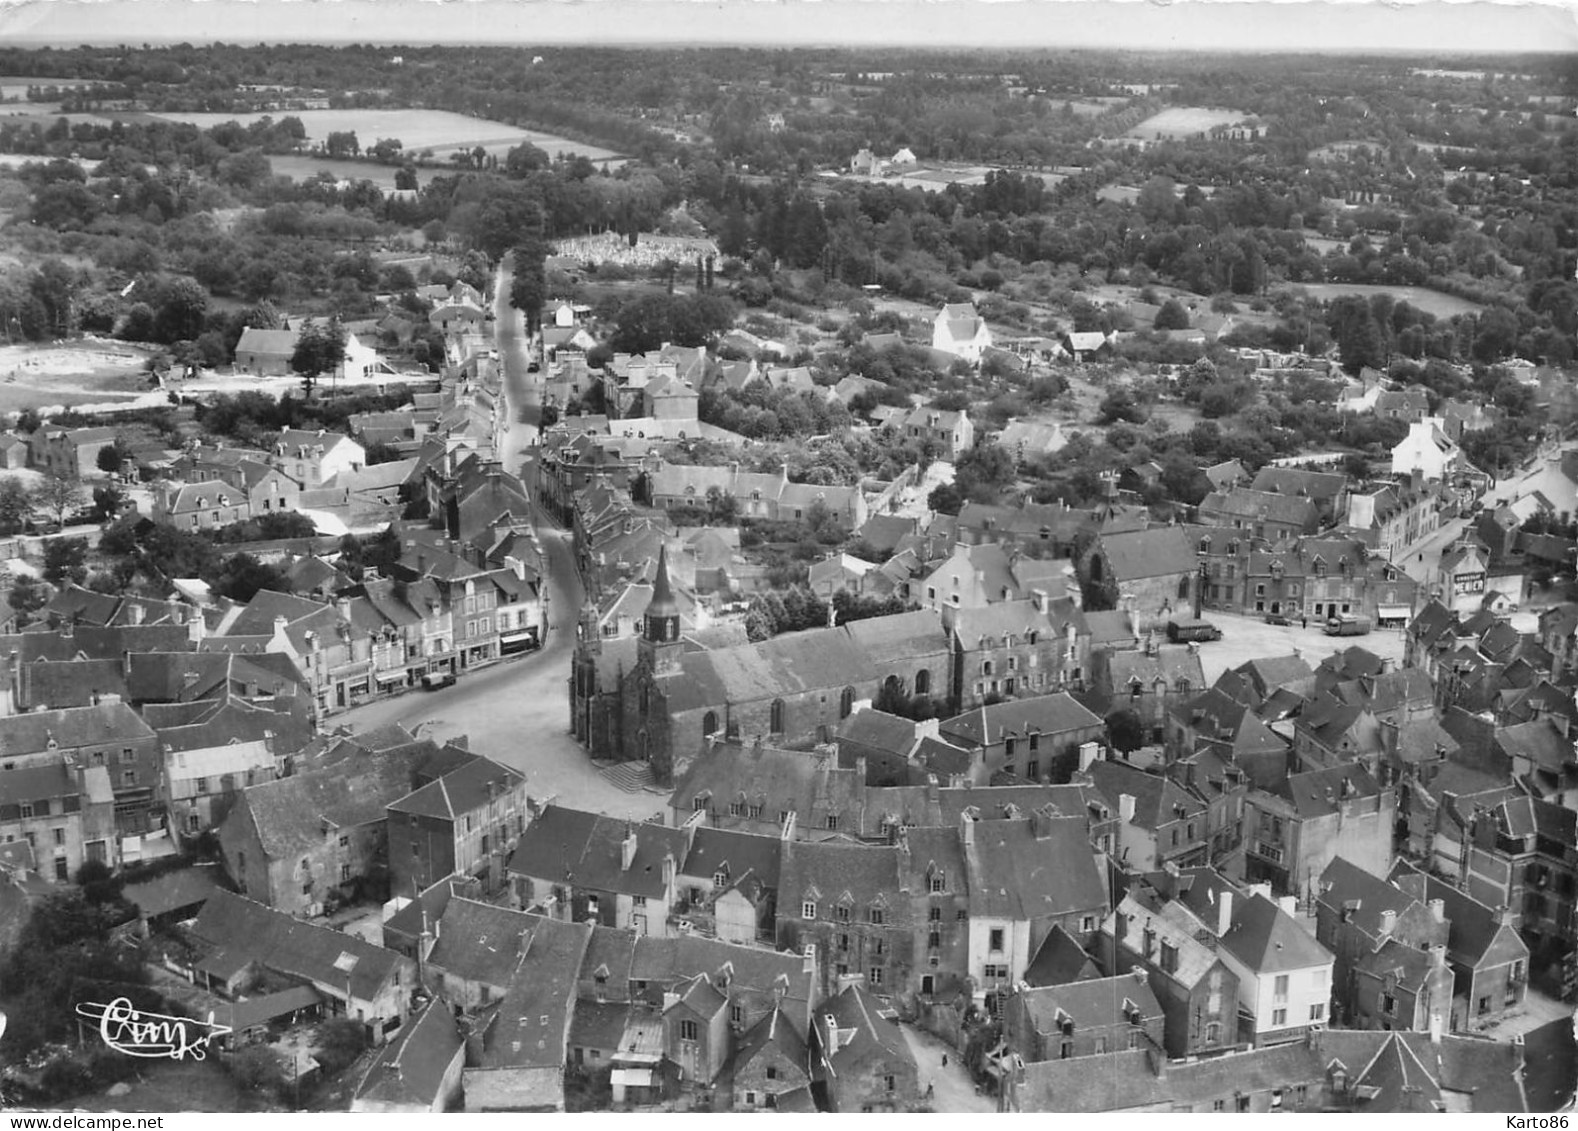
513, 637
1393, 612
631, 1077
389, 677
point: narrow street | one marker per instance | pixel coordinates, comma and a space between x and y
1424, 558
518, 711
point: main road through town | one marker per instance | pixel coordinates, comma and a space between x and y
518, 711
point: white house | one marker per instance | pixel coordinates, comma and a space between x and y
1428, 450
1284, 975
959, 330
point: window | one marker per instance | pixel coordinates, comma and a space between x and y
889, 1082
995, 943
841, 913
832, 820
687, 1030
1279, 988
1218, 1105
1213, 1032
345, 873
776, 723
772, 1072
737, 1014
808, 910
936, 881
1279, 1018
200, 785
877, 916
27, 810
1066, 1051
719, 879
875, 975
345, 842
935, 915
1318, 1011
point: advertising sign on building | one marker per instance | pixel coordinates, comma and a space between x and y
1463, 583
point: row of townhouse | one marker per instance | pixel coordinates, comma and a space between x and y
937, 912
148, 748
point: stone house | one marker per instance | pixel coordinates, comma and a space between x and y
860, 1056
1293, 832
1083, 1019
465, 822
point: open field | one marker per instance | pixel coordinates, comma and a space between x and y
438, 130
1184, 121
1431, 302
302, 168
85, 372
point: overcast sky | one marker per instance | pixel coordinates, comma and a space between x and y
1544, 25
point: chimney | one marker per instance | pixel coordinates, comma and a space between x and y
1039, 596
342, 606
830, 1031
1126, 807
627, 847
1388, 922
1438, 910
808, 964
1224, 913
1261, 889
1289, 905
138, 613
1089, 753
967, 830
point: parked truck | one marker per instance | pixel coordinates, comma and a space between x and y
1346, 624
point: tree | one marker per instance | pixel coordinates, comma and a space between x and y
16, 504
65, 559
28, 595
257, 1068
1125, 730
112, 457
57, 497
183, 304
320, 349
1172, 316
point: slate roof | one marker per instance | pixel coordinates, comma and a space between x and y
777, 1030
1060, 960
1318, 485
289, 814
1016, 874
527, 1027
1140, 554
1464, 1073
1477, 938
868, 1033
1168, 664
777, 779
72, 683
879, 731
462, 790
172, 891
1157, 800
1054, 714
1261, 935
1346, 885
479, 942
1093, 1003
243, 930
583, 849
667, 962
410, 1069
737, 854
1127, 1080
71, 728
1320, 793
859, 876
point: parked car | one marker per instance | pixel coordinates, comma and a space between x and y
433, 681
1277, 618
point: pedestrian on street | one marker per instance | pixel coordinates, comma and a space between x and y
1304, 622
945, 1060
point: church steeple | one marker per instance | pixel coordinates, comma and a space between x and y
660, 625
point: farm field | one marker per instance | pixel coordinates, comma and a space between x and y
301, 168
1184, 121
439, 130
1431, 302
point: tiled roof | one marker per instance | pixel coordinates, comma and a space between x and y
1033, 869
291, 813
735, 854
1059, 961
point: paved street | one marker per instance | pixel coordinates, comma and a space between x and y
952, 1089
518, 710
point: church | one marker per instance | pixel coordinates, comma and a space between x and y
656, 697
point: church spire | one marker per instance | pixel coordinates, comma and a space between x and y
662, 615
